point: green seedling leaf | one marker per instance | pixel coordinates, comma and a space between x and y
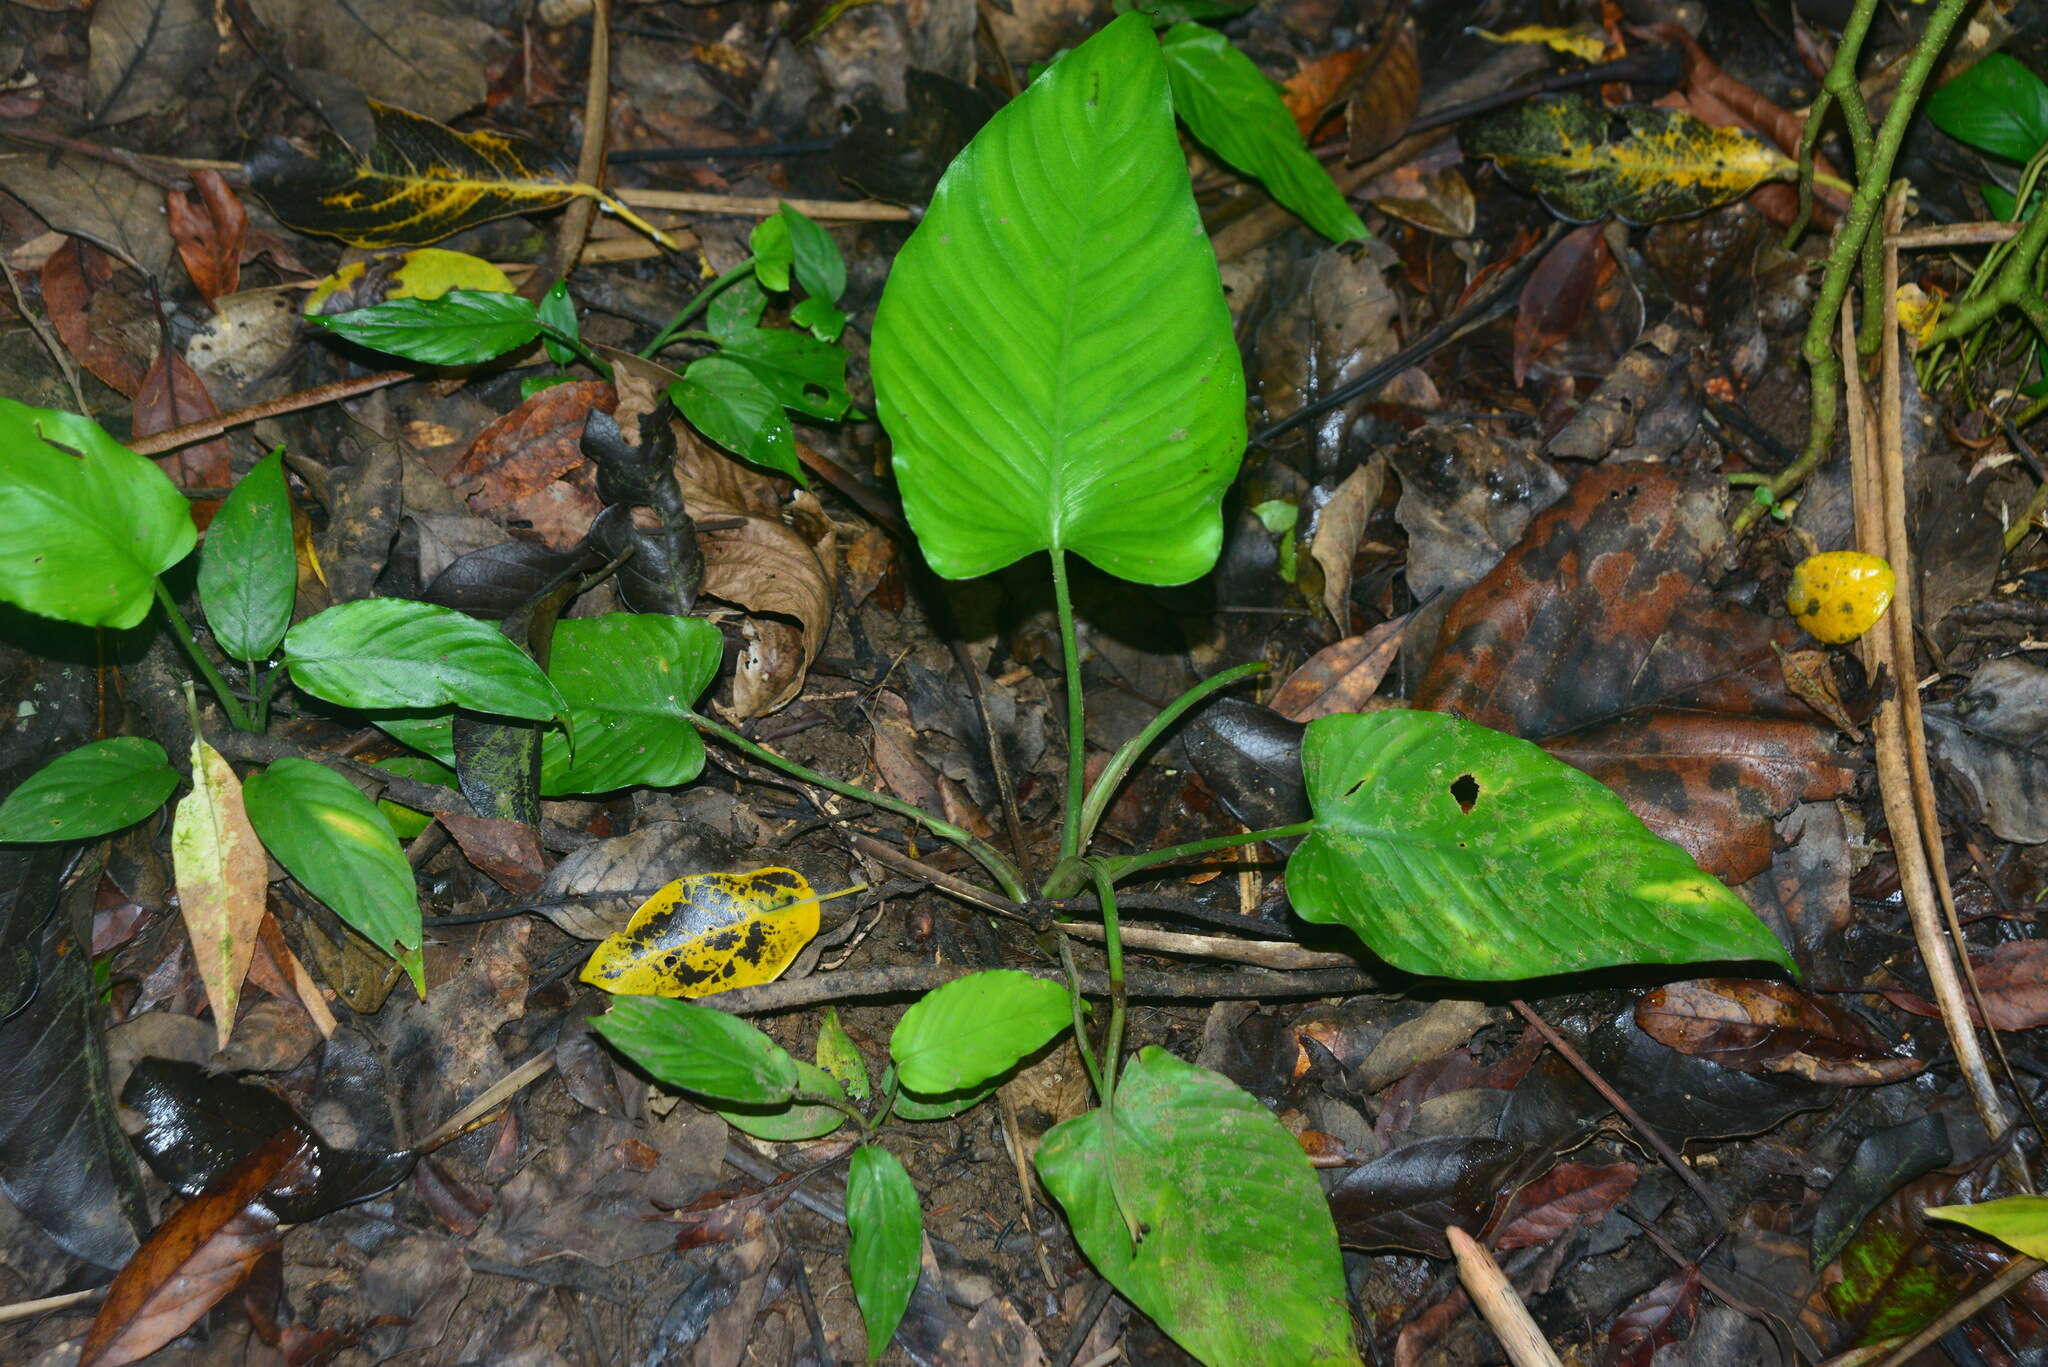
917, 1106
1230, 106
89, 791
824, 320
1642, 164
1053, 356
819, 267
1238, 1259
461, 327
798, 1121
841, 1057
629, 680
1997, 106
774, 254
407, 822
709, 932
696, 1049
1174, 11
805, 374
431, 732
1456, 851
248, 569
557, 313
2018, 1221
342, 850
736, 308
975, 1027
222, 876
887, 1230
394, 653
729, 403
86, 525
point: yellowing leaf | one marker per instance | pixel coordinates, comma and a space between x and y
422, 273
1637, 162
1919, 311
709, 932
1839, 595
2021, 1221
221, 874
1584, 43
420, 181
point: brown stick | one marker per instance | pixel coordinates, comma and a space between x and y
1251, 984
762, 206
574, 229
1498, 1304
1955, 235
173, 438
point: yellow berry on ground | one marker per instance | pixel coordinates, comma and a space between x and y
1839, 595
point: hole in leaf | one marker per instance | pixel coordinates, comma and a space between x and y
1465, 789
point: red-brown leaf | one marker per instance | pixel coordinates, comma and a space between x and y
506, 850
528, 466
209, 232
1342, 677
1384, 93
2014, 979
1756, 1025
1662, 1316
1311, 91
1570, 1196
205, 1250
1559, 292
171, 395
73, 277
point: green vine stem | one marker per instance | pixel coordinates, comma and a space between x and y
1077, 737
1112, 1040
697, 303
237, 716
2012, 286
1072, 973
1122, 868
1839, 83
1002, 870
1846, 253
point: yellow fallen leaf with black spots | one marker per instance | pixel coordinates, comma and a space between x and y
422, 273
1642, 164
419, 182
709, 932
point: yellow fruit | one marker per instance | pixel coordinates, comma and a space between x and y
1839, 595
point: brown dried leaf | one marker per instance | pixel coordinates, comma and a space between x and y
896, 757
1384, 93
1313, 91
1439, 201
1580, 293
223, 878
2014, 980
73, 278
171, 395
508, 851
1757, 1025
1570, 1196
529, 466
1339, 529
1342, 677
1662, 1316
209, 232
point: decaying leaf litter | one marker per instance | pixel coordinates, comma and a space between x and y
1496, 461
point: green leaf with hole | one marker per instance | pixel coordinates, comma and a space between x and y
972, 1028
733, 406
1231, 107
248, 568
698, 1049
805, 374
1456, 851
394, 653
1997, 106
629, 680
1053, 356
342, 850
887, 1234
461, 327
798, 1119
1239, 1260
86, 525
90, 791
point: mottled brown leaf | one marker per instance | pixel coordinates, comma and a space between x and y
1757, 1025
1312, 92
506, 850
1563, 291
1340, 527
528, 467
1384, 93
209, 232
73, 278
1570, 1196
1341, 677
2014, 980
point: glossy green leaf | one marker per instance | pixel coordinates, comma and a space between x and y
1997, 106
697, 1049
394, 653
557, 313
841, 1057
1173, 11
462, 327
1239, 1259
1456, 851
431, 731
1053, 356
89, 791
773, 252
629, 680
249, 569
800, 1119
804, 374
734, 407
819, 267
972, 1028
1231, 107
887, 1236
86, 525
2019, 1221
342, 850
944, 1106
407, 822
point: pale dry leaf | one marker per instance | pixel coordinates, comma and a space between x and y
1339, 529
222, 876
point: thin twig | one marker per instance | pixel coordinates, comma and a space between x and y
173, 438
1084, 1325
574, 229
43, 335
1265, 953
1955, 235
493, 1098
25, 1310
1248, 984
764, 206
1498, 1304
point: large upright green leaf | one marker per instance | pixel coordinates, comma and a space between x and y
1231, 106
630, 680
1454, 850
86, 525
1053, 356
1239, 1259
392, 652
249, 570
887, 1232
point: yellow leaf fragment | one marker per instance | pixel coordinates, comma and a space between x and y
1919, 311
222, 875
422, 273
709, 932
2021, 1221
1838, 595
1587, 44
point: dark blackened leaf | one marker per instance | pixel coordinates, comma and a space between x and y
1250, 756
198, 1125
497, 581
145, 54
1757, 1025
1663, 1316
1883, 1162
899, 154
1691, 1098
644, 517
1404, 1199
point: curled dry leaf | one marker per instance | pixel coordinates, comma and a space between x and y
1757, 1025
1384, 92
1663, 1315
209, 233
508, 851
1340, 527
1312, 92
529, 466
89, 317
171, 395
1341, 677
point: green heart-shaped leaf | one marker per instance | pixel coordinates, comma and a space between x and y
972, 1028
630, 680
1457, 851
1053, 356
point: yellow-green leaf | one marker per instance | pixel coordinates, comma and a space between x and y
2021, 1221
709, 932
1587, 43
221, 874
419, 182
422, 273
1637, 162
